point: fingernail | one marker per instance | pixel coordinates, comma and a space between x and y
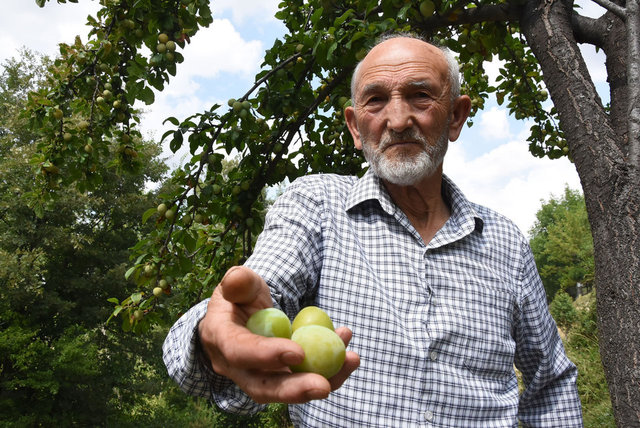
316, 394
288, 358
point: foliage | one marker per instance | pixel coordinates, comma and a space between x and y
582, 347
61, 365
288, 124
562, 243
562, 310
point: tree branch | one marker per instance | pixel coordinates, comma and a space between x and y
612, 7
633, 80
589, 30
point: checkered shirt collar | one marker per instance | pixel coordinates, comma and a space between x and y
464, 217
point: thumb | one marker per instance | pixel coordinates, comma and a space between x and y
243, 286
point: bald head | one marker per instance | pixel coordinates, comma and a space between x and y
400, 46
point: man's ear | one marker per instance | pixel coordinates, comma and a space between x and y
350, 118
459, 114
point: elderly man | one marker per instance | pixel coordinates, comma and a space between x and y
442, 295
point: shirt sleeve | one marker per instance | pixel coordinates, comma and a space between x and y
287, 257
551, 396
190, 369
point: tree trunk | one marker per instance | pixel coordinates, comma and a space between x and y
598, 145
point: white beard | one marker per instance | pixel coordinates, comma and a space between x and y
405, 170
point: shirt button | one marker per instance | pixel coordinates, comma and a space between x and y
433, 355
428, 415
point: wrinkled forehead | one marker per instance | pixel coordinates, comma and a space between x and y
403, 58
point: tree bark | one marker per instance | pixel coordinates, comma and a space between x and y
598, 143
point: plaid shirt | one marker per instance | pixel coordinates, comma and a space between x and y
438, 327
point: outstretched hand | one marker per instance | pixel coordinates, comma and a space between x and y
260, 365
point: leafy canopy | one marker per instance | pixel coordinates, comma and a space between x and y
289, 123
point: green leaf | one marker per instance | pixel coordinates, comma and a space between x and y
176, 143
136, 297
317, 14
341, 19
172, 120
147, 95
148, 213
403, 12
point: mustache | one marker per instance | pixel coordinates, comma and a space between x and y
407, 136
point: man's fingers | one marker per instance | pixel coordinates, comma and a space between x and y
351, 362
250, 351
283, 387
243, 286
345, 334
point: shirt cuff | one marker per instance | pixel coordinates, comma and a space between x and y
190, 368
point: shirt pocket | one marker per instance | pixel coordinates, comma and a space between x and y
474, 330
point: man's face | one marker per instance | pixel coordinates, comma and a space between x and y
401, 115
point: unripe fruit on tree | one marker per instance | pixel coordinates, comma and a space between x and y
427, 7
324, 350
170, 214
88, 148
171, 45
67, 136
162, 209
163, 284
270, 322
57, 113
163, 38
157, 291
312, 315
138, 314
161, 48
237, 106
149, 270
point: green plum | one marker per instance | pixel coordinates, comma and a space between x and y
312, 315
270, 322
324, 350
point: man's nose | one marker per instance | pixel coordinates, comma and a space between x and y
399, 115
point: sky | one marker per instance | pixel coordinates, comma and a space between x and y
490, 161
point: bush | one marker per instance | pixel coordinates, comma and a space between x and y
562, 310
583, 349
